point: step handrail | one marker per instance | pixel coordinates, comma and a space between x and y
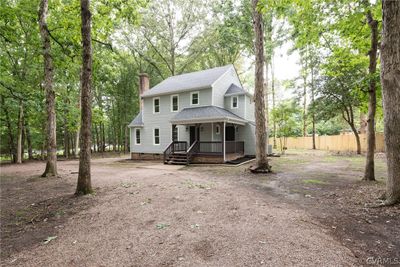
192, 149
168, 151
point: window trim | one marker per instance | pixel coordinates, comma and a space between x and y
154, 136
198, 98
154, 106
218, 132
140, 137
237, 102
172, 103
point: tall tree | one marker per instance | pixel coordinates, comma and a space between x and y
20, 146
51, 165
390, 79
84, 185
369, 173
261, 131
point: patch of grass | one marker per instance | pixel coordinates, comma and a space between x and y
313, 181
161, 226
190, 184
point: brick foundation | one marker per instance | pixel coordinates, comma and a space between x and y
146, 156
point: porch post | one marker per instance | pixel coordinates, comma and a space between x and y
197, 132
223, 140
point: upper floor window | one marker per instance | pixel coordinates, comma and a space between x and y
137, 137
156, 105
235, 101
174, 103
156, 136
194, 98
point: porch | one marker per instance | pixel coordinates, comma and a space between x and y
206, 134
179, 152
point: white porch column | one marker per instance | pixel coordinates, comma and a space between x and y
223, 140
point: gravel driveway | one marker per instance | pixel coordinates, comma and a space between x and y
149, 214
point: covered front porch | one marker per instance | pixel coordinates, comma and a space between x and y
207, 142
207, 134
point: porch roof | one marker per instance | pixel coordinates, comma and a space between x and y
137, 121
206, 114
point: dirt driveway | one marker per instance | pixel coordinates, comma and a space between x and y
147, 214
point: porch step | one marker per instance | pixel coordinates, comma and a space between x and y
177, 159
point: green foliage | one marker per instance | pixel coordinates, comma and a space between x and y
287, 116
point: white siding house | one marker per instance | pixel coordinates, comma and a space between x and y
204, 116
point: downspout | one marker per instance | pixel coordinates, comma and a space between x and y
223, 140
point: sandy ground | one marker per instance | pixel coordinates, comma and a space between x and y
148, 214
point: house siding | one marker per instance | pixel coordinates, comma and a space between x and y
240, 110
211, 96
222, 84
162, 119
249, 109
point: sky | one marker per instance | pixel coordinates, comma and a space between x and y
286, 68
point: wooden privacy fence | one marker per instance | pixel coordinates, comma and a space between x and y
342, 142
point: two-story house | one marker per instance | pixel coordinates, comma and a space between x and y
203, 116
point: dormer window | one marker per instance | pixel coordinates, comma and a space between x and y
156, 105
194, 98
235, 101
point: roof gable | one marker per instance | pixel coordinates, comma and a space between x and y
137, 121
188, 81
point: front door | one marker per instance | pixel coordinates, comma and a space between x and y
230, 133
193, 135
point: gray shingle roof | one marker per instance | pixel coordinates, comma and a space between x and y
206, 113
137, 121
189, 81
235, 90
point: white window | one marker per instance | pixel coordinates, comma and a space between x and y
156, 105
174, 103
156, 136
217, 129
175, 134
235, 101
137, 137
194, 98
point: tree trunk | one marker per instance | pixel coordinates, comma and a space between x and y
20, 129
71, 142
357, 136
261, 131
28, 139
51, 165
313, 111
11, 144
97, 138
305, 98
66, 131
369, 174
390, 78
77, 134
84, 178
104, 138
126, 139
273, 95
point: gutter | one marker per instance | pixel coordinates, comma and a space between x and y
175, 92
